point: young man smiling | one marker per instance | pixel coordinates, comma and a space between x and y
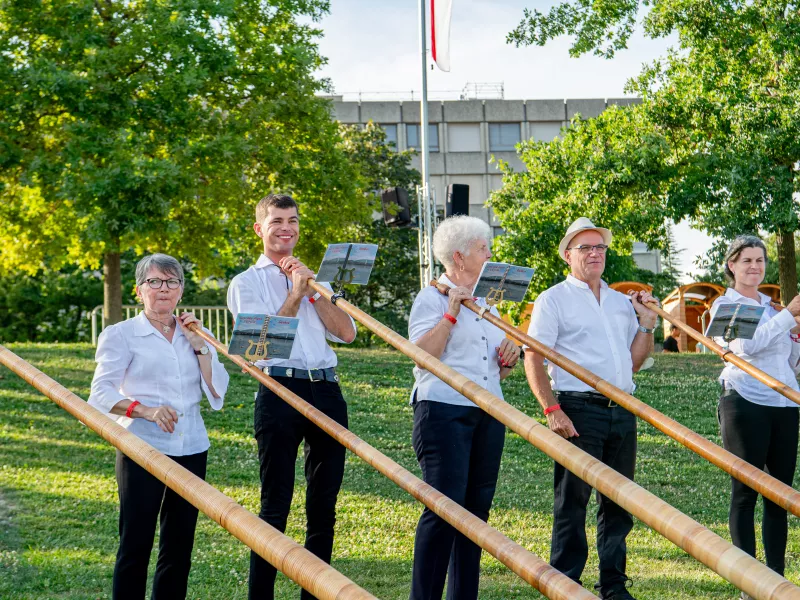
278, 285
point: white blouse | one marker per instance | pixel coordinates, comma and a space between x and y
770, 350
470, 349
135, 361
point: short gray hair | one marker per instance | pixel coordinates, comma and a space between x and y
163, 262
735, 249
456, 234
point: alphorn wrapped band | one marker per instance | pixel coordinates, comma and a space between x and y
289, 557
734, 565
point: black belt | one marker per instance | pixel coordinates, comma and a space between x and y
591, 397
314, 375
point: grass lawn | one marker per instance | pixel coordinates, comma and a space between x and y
58, 498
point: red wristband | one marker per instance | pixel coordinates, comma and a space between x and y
311, 300
450, 318
131, 406
795, 337
550, 409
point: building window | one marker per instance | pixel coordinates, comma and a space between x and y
413, 141
545, 132
463, 137
503, 136
391, 134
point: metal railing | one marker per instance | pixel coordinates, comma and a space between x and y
216, 319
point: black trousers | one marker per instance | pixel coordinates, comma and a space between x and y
766, 437
279, 429
608, 434
459, 450
143, 499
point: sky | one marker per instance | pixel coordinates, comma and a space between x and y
373, 46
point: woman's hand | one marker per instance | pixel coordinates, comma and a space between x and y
455, 296
163, 416
507, 354
184, 321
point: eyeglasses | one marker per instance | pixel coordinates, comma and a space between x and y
584, 249
155, 283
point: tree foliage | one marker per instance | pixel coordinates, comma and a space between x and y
726, 101
153, 125
394, 281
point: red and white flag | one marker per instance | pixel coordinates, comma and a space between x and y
440, 32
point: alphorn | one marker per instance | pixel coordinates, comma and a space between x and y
727, 355
551, 582
778, 492
731, 563
289, 557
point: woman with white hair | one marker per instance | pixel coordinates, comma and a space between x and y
458, 445
151, 374
758, 424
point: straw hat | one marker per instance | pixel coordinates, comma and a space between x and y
580, 225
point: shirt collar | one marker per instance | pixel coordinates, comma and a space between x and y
582, 284
737, 297
264, 261
446, 280
142, 326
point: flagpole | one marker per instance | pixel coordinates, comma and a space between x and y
426, 219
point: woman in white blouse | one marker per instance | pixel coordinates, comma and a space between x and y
151, 374
457, 444
757, 423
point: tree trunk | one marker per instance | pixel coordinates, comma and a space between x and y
112, 289
787, 265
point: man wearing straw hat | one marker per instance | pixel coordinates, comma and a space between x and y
611, 335
278, 285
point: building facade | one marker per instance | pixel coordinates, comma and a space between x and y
465, 134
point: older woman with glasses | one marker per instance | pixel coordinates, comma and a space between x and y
151, 374
458, 445
757, 423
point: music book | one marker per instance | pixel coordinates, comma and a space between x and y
261, 337
502, 281
347, 263
732, 320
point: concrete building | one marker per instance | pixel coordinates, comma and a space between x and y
465, 134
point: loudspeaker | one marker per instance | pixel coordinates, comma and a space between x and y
394, 202
457, 200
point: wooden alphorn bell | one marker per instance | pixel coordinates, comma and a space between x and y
742, 570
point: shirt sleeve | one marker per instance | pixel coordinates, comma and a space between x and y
544, 321
633, 328
328, 335
244, 296
219, 378
113, 358
425, 314
764, 335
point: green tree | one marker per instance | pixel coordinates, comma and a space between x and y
394, 281
726, 100
155, 125
591, 170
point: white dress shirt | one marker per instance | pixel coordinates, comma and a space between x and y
770, 350
263, 289
135, 361
470, 348
597, 336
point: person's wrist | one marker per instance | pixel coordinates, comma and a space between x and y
551, 409
649, 322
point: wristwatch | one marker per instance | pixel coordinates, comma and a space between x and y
646, 330
203, 351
